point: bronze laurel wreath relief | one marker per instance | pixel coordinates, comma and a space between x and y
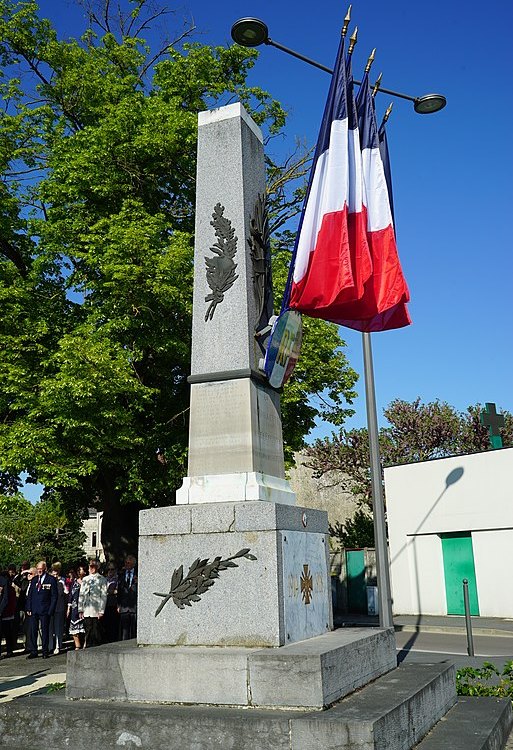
221, 269
201, 576
260, 252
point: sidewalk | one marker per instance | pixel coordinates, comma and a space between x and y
495, 626
22, 677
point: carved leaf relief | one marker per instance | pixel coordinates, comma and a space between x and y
220, 269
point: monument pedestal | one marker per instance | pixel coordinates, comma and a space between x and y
241, 487
241, 615
276, 592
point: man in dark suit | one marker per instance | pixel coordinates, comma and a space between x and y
127, 599
42, 597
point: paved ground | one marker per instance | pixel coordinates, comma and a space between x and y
442, 646
434, 624
20, 677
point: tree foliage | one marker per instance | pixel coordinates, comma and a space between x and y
97, 157
415, 432
44, 531
357, 531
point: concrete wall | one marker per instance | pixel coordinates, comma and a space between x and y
493, 558
463, 493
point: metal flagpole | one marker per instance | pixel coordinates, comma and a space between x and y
252, 32
380, 534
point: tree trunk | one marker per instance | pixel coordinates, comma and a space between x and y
120, 529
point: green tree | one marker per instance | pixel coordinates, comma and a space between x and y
415, 432
97, 155
44, 531
357, 531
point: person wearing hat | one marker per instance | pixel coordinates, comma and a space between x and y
91, 604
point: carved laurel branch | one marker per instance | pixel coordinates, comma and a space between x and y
201, 576
221, 269
258, 242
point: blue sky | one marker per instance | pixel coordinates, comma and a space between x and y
452, 171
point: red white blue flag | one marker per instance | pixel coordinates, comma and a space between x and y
385, 158
346, 268
383, 304
331, 260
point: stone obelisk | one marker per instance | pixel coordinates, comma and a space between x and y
235, 437
235, 496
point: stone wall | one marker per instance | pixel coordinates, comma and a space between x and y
323, 494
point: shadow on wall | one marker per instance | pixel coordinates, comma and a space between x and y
451, 478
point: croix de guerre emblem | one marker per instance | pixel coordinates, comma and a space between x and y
306, 584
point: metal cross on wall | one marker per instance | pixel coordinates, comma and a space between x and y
492, 420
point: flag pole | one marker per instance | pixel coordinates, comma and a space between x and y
378, 500
380, 532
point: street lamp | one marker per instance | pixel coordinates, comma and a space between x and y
252, 32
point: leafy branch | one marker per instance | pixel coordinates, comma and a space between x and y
201, 576
486, 680
221, 269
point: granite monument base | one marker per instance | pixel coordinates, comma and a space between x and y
249, 574
310, 674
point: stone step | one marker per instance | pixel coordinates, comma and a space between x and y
472, 724
51, 721
392, 713
309, 674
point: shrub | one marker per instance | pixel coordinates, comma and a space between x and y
486, 680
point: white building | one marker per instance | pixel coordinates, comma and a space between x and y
92, 527
450, 519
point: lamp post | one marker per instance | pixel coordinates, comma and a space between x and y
252, 32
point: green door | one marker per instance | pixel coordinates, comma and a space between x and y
458, 559
356, 589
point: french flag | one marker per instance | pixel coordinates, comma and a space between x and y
385, 159
346, 267
383, 304
332, 260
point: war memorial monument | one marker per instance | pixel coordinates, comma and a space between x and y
238, 649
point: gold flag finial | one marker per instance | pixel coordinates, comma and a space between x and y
352, 41
370, 60
377, 84
388, 112
347, 19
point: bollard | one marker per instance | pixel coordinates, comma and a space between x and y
468, 623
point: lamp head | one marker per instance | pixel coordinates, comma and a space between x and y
250, 32
429, 103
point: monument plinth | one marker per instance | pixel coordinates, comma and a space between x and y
282, 596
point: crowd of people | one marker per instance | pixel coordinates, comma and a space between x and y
42, 606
